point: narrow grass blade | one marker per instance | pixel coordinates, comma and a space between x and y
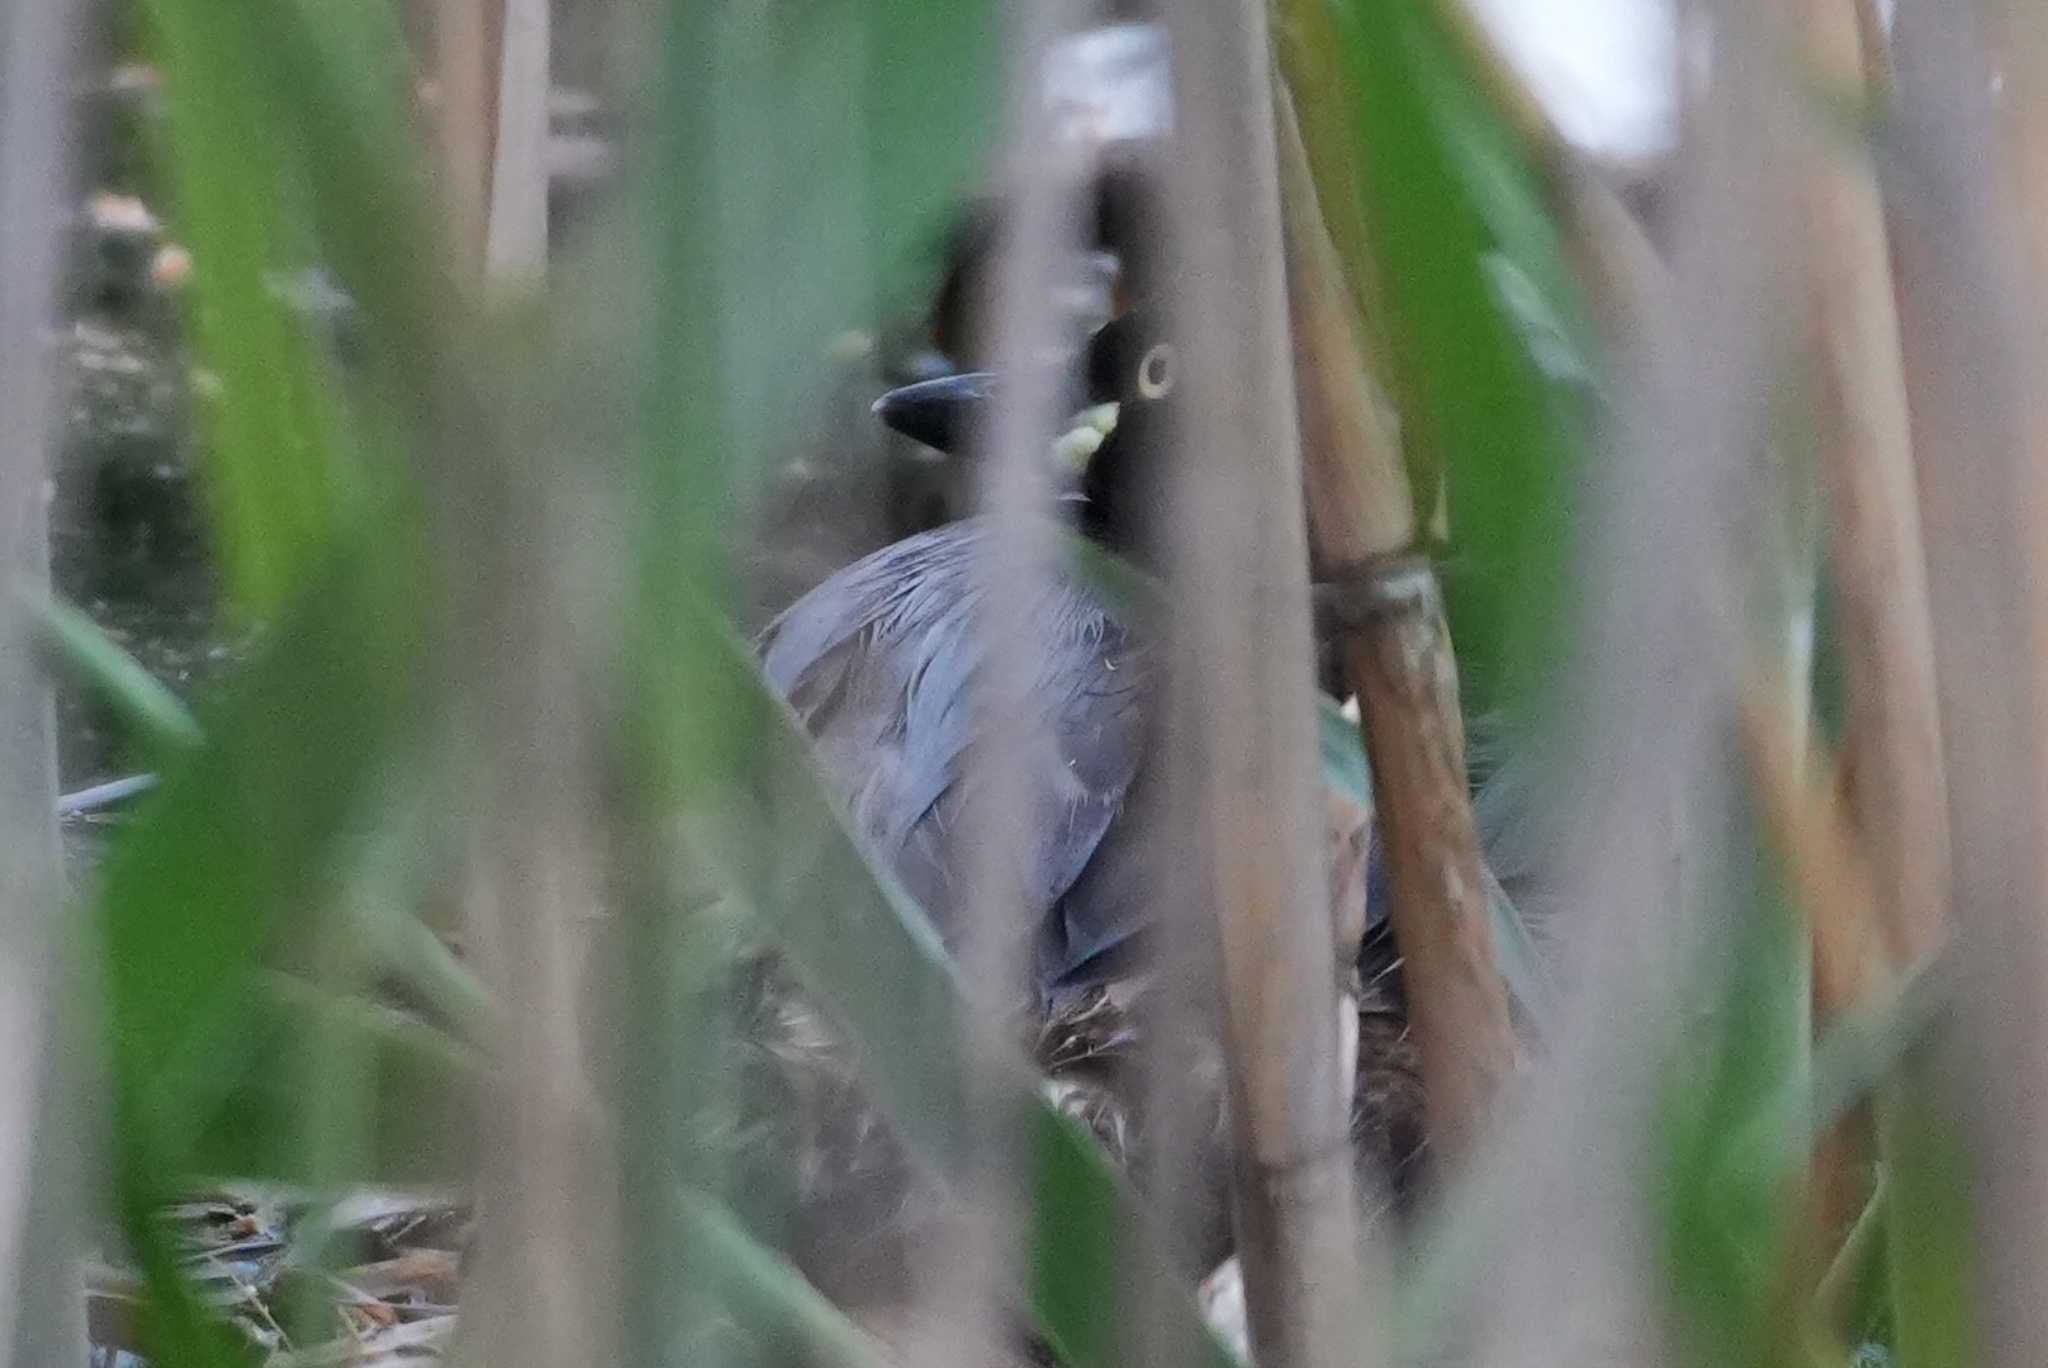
769, 1293
79, 648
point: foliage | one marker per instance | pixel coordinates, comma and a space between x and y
253, 920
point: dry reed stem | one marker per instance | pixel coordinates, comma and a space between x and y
466, 42
1892, 768
1398, 656
544, 1266
1829, 870
1355, 482
516, 230
1670, 531
1893, 751
1401, 664
965, 1290
1966, 230
1241, 655
1851, 967
1626, 281
39, 1297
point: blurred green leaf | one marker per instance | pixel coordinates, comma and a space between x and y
847, 133
1727, 1196
419, 1100
765, 1290
1931, 1246
81, 649
238, 843
275, 473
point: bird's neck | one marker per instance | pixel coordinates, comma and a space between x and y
1121, 496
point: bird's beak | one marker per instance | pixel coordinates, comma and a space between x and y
942, 413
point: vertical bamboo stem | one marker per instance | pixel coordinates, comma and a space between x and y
1970, 310
525, 735
1656, 723
1892, 769
1400, 660
976, 1258
1243, 671
466, 39
38, 1291
1896, 785
516, 234
1398, 656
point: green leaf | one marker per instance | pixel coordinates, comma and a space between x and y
1726, 1188
419, 1103
81, 649
767, 1292
237, 845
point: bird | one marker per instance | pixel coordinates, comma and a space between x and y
880, 663
847, 487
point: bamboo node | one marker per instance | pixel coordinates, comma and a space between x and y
1363, 593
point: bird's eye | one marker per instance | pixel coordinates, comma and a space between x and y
1156, 372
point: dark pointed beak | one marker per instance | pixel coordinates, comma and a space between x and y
942, 413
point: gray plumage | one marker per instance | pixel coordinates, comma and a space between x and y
880, 661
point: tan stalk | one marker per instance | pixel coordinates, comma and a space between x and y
466, 39
975, 1261
1893, 753
1238, 557
1969, 242
40, 1299
516, 231
1892, 767
1398, 656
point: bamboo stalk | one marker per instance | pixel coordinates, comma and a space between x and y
975, 1260
1398, 656
1242, 659
516, 231
1891, 774
1654, 818
466, 38
1966, 203
1850, 963
544, 1267
1893, 751
39, 1165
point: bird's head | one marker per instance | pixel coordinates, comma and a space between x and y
1118, 390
